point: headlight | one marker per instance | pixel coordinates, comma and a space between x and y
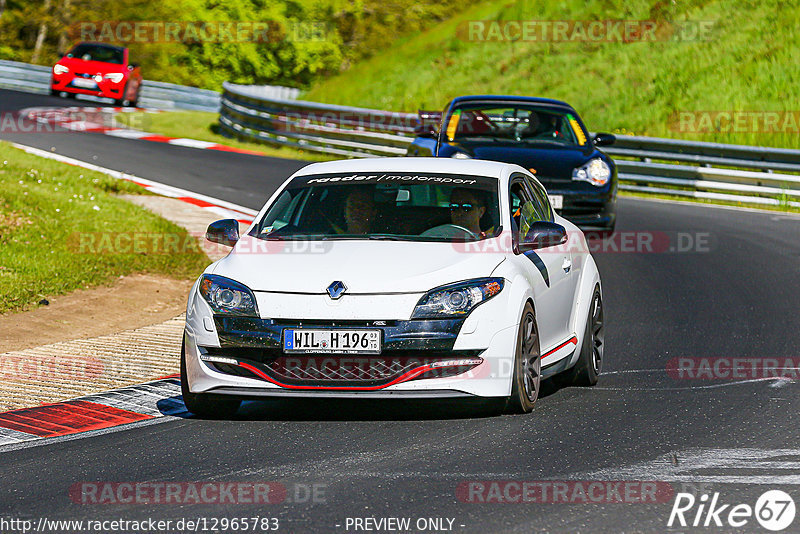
60, 69
228, 297
115, 77
460, 155
456, 300
596, 172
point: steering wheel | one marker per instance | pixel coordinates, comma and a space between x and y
448, 231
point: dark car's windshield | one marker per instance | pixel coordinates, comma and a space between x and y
514, 123
381, 205
97, 52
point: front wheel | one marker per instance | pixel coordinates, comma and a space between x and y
527, 379
202, 404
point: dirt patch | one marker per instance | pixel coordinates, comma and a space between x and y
131, 302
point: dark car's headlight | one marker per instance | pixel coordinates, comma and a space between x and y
456, 300
595, 171
227, 296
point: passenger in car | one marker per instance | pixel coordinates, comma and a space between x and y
466, 209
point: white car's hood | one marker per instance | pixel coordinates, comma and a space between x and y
364, 266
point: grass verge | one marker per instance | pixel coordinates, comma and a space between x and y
203, 126
62, 228
742, 61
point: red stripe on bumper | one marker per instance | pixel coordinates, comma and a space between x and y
70, 417
573, 340
413, 373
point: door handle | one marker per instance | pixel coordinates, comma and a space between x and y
567, 265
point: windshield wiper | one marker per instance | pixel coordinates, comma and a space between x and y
389, 237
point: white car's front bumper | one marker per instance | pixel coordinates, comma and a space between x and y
489, 333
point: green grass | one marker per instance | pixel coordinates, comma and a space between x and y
47, 207
748, 63
203, 126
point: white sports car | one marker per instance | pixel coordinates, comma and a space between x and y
395, 277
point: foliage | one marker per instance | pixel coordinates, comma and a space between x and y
307, 38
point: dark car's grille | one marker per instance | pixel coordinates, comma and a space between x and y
336, 370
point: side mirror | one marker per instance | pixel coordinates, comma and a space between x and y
224, 232
604, 139
543, 234
425, 130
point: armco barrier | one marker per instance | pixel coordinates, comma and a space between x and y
159, 95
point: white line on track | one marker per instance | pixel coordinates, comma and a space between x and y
153, 186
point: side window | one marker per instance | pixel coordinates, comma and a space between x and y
523, 210
542, 201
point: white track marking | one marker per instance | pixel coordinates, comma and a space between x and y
174, 191
729, 466
192, 143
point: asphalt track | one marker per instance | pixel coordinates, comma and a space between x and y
736, 295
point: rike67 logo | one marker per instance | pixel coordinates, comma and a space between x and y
774, 510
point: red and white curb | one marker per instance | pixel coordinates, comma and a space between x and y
95, 413
222, 208
96, 120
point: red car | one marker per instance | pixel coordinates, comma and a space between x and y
97, 69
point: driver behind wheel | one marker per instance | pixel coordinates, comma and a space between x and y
466, 209
360, 211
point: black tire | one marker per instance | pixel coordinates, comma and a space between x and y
527, 379
54, 92
202, 404
123, 102
587, 369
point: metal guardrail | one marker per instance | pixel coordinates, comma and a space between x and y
331, 129
158, 95
736, 173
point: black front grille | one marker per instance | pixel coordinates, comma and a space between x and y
336, 370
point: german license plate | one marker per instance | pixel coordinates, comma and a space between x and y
557, 201
339, 341
84, 83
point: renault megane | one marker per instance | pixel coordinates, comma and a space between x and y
395, 277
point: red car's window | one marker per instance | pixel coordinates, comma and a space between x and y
96, 52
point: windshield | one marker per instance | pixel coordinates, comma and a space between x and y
95, 52
396, 206
515, 123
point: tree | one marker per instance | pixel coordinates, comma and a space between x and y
37, 48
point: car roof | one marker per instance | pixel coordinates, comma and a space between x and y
512, 98
474, 167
